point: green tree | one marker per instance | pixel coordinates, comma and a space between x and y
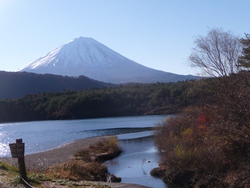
244, 60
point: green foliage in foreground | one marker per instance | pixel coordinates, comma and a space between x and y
7, 167
124, 100
13, 177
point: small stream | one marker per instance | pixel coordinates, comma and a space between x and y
139, 157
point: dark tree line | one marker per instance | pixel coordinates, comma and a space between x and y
124, 100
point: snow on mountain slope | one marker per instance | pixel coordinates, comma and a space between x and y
86, 56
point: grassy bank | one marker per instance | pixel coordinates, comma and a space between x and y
87, 163
84, 166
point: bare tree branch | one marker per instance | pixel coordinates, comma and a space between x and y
217, 54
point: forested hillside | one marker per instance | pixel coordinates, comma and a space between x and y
125, 100
20, 84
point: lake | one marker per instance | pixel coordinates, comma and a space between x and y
134, 136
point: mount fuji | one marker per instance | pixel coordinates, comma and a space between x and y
86, 56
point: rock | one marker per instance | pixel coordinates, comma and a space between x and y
102, 157
158, 172
183, 177
113, 178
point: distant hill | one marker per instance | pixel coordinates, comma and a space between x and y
88, 57
19, 84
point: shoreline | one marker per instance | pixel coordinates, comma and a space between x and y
42, 160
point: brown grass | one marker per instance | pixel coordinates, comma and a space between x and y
85, 165
82, 167
78, 170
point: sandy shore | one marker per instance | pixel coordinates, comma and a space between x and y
40, 161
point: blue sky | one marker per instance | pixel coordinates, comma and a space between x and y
156, 33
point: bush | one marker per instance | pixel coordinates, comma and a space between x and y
107, 145
185, 142
212, 138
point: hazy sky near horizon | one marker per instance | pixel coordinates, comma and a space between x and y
156, 33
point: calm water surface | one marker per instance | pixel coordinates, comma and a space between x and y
136, 162
134, 134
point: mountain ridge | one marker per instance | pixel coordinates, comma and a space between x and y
19, 84
86, 56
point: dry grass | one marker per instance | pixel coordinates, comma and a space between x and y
83, 167
78, 170
105, 146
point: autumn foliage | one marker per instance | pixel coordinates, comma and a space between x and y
211, 139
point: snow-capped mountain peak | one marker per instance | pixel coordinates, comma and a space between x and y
86, 56
77, 52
